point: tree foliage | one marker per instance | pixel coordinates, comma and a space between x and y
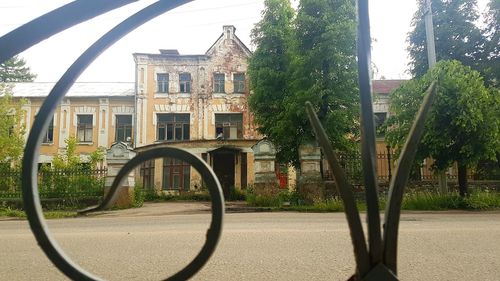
12, 128
491, 57
307, 58
68, 158
464, 123
15, 70
268, 71
455, 33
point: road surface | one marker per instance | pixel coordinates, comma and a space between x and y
254, 246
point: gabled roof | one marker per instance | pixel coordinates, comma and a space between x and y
79, 89
231, 29
386, 86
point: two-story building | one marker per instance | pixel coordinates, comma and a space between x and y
200, 103
196, 102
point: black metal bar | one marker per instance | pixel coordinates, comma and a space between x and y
209, 178
346, 193
369, 159
400, 179
29, 181
54, 22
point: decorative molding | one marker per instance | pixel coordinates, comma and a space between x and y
122, 109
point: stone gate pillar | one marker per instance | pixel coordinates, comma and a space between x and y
116, 157
310, 185
265, 182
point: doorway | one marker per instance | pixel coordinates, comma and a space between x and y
223, 165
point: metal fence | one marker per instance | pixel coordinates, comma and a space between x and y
56, 183
351, 163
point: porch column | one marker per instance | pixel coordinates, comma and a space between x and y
116, 157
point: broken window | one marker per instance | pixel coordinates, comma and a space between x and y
173, 127
84, 128
380, 118
229, 126
48, 137
219, 83
162, 82
185, 82
123, 128
239, 82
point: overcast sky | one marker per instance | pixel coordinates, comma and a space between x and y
191, 29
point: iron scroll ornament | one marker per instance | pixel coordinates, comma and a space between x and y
58, 20
375, 262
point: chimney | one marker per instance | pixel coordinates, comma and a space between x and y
169, 52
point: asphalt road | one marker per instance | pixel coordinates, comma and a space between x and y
254, 246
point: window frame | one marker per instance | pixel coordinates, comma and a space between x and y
219, 84
85, 127
224, 126
50, 131
184, 83
173, 168
162, 84
379, 123
126, 127
239, 84
168, 130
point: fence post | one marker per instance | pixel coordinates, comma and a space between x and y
116, 157
265, 182
310, 186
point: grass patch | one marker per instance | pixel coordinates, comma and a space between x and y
16, 213
421, 201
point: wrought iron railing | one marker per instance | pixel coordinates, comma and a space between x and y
376, 260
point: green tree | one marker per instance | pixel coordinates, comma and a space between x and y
15, 70
69, 159
324, 69
491, 54
12, 128
269, 72
464, 122
311, 58
456, 35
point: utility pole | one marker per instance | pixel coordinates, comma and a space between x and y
431, 59
429, 34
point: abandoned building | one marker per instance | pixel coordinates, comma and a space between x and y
195, 102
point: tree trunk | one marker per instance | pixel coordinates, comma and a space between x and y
462, 179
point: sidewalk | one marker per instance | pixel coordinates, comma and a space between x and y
176, 208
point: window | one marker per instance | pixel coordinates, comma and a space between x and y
173, 127
185, 82
84, 128
219, 82
229, 126
162, 82
379, 119
123, 128
48, 137
176, 174
148, 174
239, 82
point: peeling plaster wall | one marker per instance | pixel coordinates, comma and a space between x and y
226, 56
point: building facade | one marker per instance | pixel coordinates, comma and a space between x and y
199, 103
195, 102
97, 114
